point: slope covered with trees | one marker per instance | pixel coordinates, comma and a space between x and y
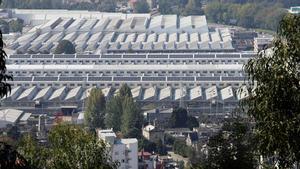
262, 15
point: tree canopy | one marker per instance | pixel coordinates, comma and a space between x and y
65, 47
142, 7
95, 109
179, 118
70, 147
230, 148
275, 101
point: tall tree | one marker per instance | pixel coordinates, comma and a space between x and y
114, 111
95, 109
4, 86
125, 91
179, 118
131, 118
275, 102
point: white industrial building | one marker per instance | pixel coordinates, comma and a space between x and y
166, 60
205, 82
96, 33
124, 151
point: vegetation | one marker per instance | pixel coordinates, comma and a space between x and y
65, 47
10, 158
180, 119
179, 147
103, 5
230, 148
275, 101
95, 109
4, 27
142, 7
16, 25
4, 86
69, 147
249, 15
123, 114
180, 7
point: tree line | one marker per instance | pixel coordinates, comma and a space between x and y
68, 147
180, 7
249, 15
103, 5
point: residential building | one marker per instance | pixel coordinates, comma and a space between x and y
295, 10
262, 43
124, 151
153, 134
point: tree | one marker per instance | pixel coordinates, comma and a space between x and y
107, 6
142, 7
179, 118
10, 158
69, 147
4, 86
275, 101
16, 25
114, 108
114, 113
35, 155
193, 7
95, 109
192, 122
131, 118
125, 91
4, 26
65, 47
160, 148
230, 148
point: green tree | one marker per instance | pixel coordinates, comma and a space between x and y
65, 47
125, 91
275, 101
192, 122
179, 118
69, 147
114, 111
146, 145
114, 108
35, 155
142, 7
230, 148
160, 148
107, 6
16, 25
131, 118
193, 7
95, 109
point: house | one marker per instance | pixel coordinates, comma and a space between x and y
124, 151
192, 139
153, 133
